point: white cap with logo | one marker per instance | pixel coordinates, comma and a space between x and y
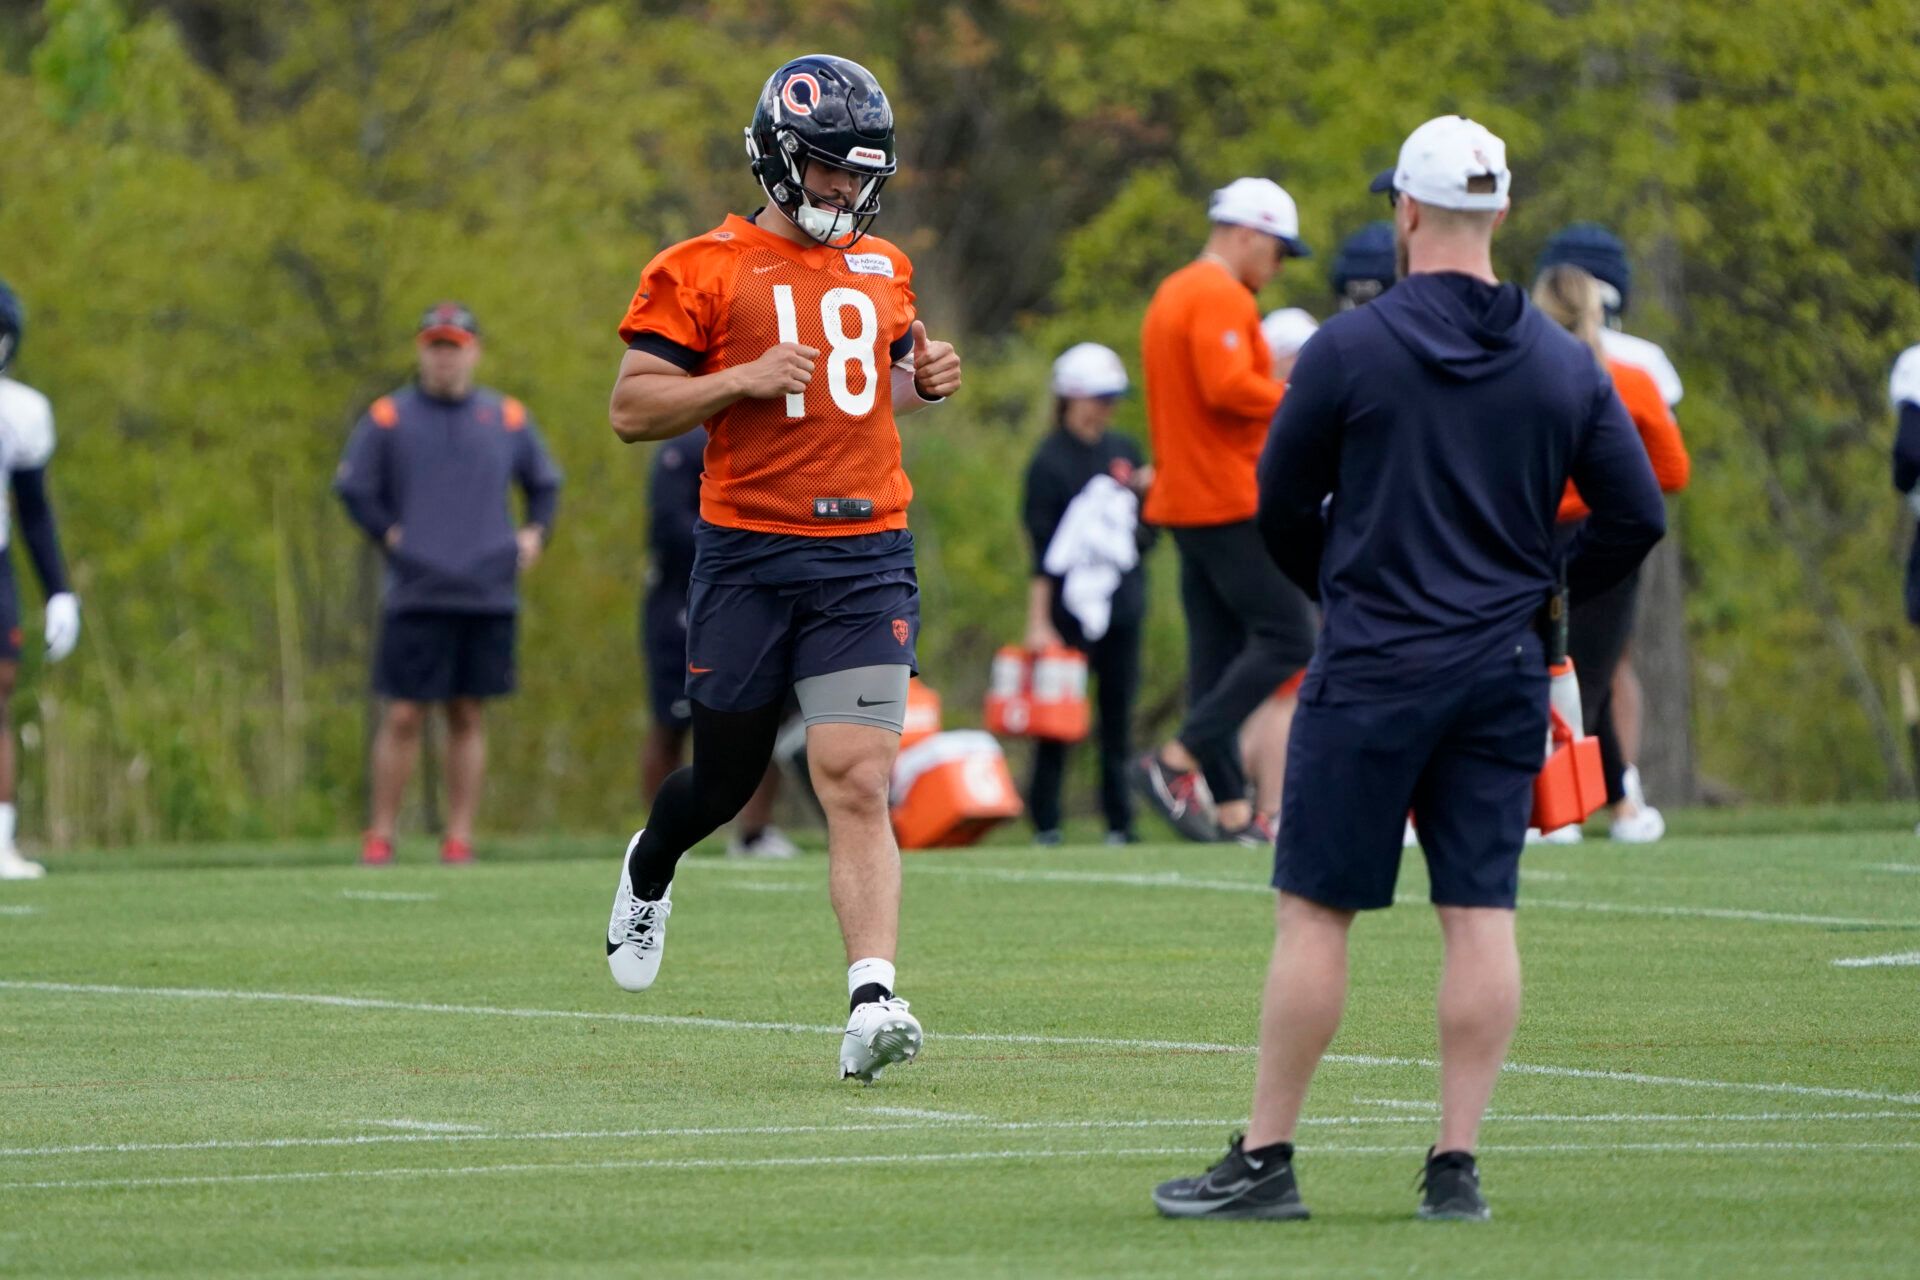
1439, 160
1287, 330
1089, 371
1264, 205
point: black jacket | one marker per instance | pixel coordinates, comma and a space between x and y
1060, 469
1444, 419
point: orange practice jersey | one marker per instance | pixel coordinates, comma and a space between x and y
1210, 397
1658, 432
722, 300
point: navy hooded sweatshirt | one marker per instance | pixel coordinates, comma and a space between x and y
442, 470
1444, 419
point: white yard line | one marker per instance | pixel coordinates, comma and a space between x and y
919, 1113
18, 909
382, 895
1875, 962
1176, 880
1909, 868
427, 1126
908, 1158
946, 1121
970, 1037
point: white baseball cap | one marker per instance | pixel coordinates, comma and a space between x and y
1264, 205
1438, 159
1089, 371
1287, 330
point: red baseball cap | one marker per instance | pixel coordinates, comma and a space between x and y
449, 322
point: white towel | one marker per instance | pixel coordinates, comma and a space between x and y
1092, 549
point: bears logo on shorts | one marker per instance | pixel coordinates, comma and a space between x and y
900, 631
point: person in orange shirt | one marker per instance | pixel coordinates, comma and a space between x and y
794, 336
1210, 396
1599, 627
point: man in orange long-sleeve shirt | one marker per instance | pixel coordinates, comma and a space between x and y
1210, 397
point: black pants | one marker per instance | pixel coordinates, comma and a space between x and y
1597, 632
1114, 663
1249, 629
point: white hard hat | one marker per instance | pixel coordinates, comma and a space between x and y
1287, 330
1089, 370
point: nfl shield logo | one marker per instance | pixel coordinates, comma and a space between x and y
900, 630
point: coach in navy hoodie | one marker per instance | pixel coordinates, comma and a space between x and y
427, 475
1410, 483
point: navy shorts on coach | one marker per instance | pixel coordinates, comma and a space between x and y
747, 643
1461, 754
434, 656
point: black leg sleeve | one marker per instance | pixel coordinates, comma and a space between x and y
1597, 632
1116, 666
1049, 774
730, 754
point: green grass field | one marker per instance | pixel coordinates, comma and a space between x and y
262, 1062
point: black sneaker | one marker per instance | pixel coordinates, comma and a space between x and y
1450, 1187
1177, 794
1234, 1188
1261, 832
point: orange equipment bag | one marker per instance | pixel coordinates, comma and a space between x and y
1058, 696
950, 790
1008, 711
1572, 786
923, 714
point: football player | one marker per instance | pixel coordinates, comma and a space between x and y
793, 336
26, 446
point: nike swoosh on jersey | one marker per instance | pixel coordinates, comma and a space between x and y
760, 271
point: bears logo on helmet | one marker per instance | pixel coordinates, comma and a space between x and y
831, 111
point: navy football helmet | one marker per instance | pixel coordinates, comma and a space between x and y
831, 110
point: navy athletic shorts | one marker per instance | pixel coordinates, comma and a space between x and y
747, 643
10, 633
663, 647
1461, 753
433, 656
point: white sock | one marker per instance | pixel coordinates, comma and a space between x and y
8, 816
861, 972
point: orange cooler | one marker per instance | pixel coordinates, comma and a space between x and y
1007, 710
1059, 696
923, 714
1573, 785
950, 790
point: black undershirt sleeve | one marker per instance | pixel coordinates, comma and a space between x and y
37, 529
653, 344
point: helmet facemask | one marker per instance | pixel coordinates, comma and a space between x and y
827, 221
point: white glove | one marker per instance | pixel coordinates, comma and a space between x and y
63, 625
1913, 500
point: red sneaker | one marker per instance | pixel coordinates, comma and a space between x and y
375, 851
455, 853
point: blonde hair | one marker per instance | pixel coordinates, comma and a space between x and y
1571, 297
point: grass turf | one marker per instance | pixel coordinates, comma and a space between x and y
1701, 1091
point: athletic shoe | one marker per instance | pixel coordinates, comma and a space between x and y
1178, 794
1234, 1188
1048, 839
15, 867
1644, 825
455, 853
1450, 1189
637, 933
879, 1034
1118, 838
770, 843
1410, 838
1259, 833
375, 851
1569, 834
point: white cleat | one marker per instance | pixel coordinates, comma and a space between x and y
1643, 826
879, 1034
15, 867
1411, 838
637, 933
770, 845
1569, 834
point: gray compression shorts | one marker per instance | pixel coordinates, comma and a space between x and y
863, 695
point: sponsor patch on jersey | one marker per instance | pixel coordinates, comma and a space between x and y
867, 155
870, 264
